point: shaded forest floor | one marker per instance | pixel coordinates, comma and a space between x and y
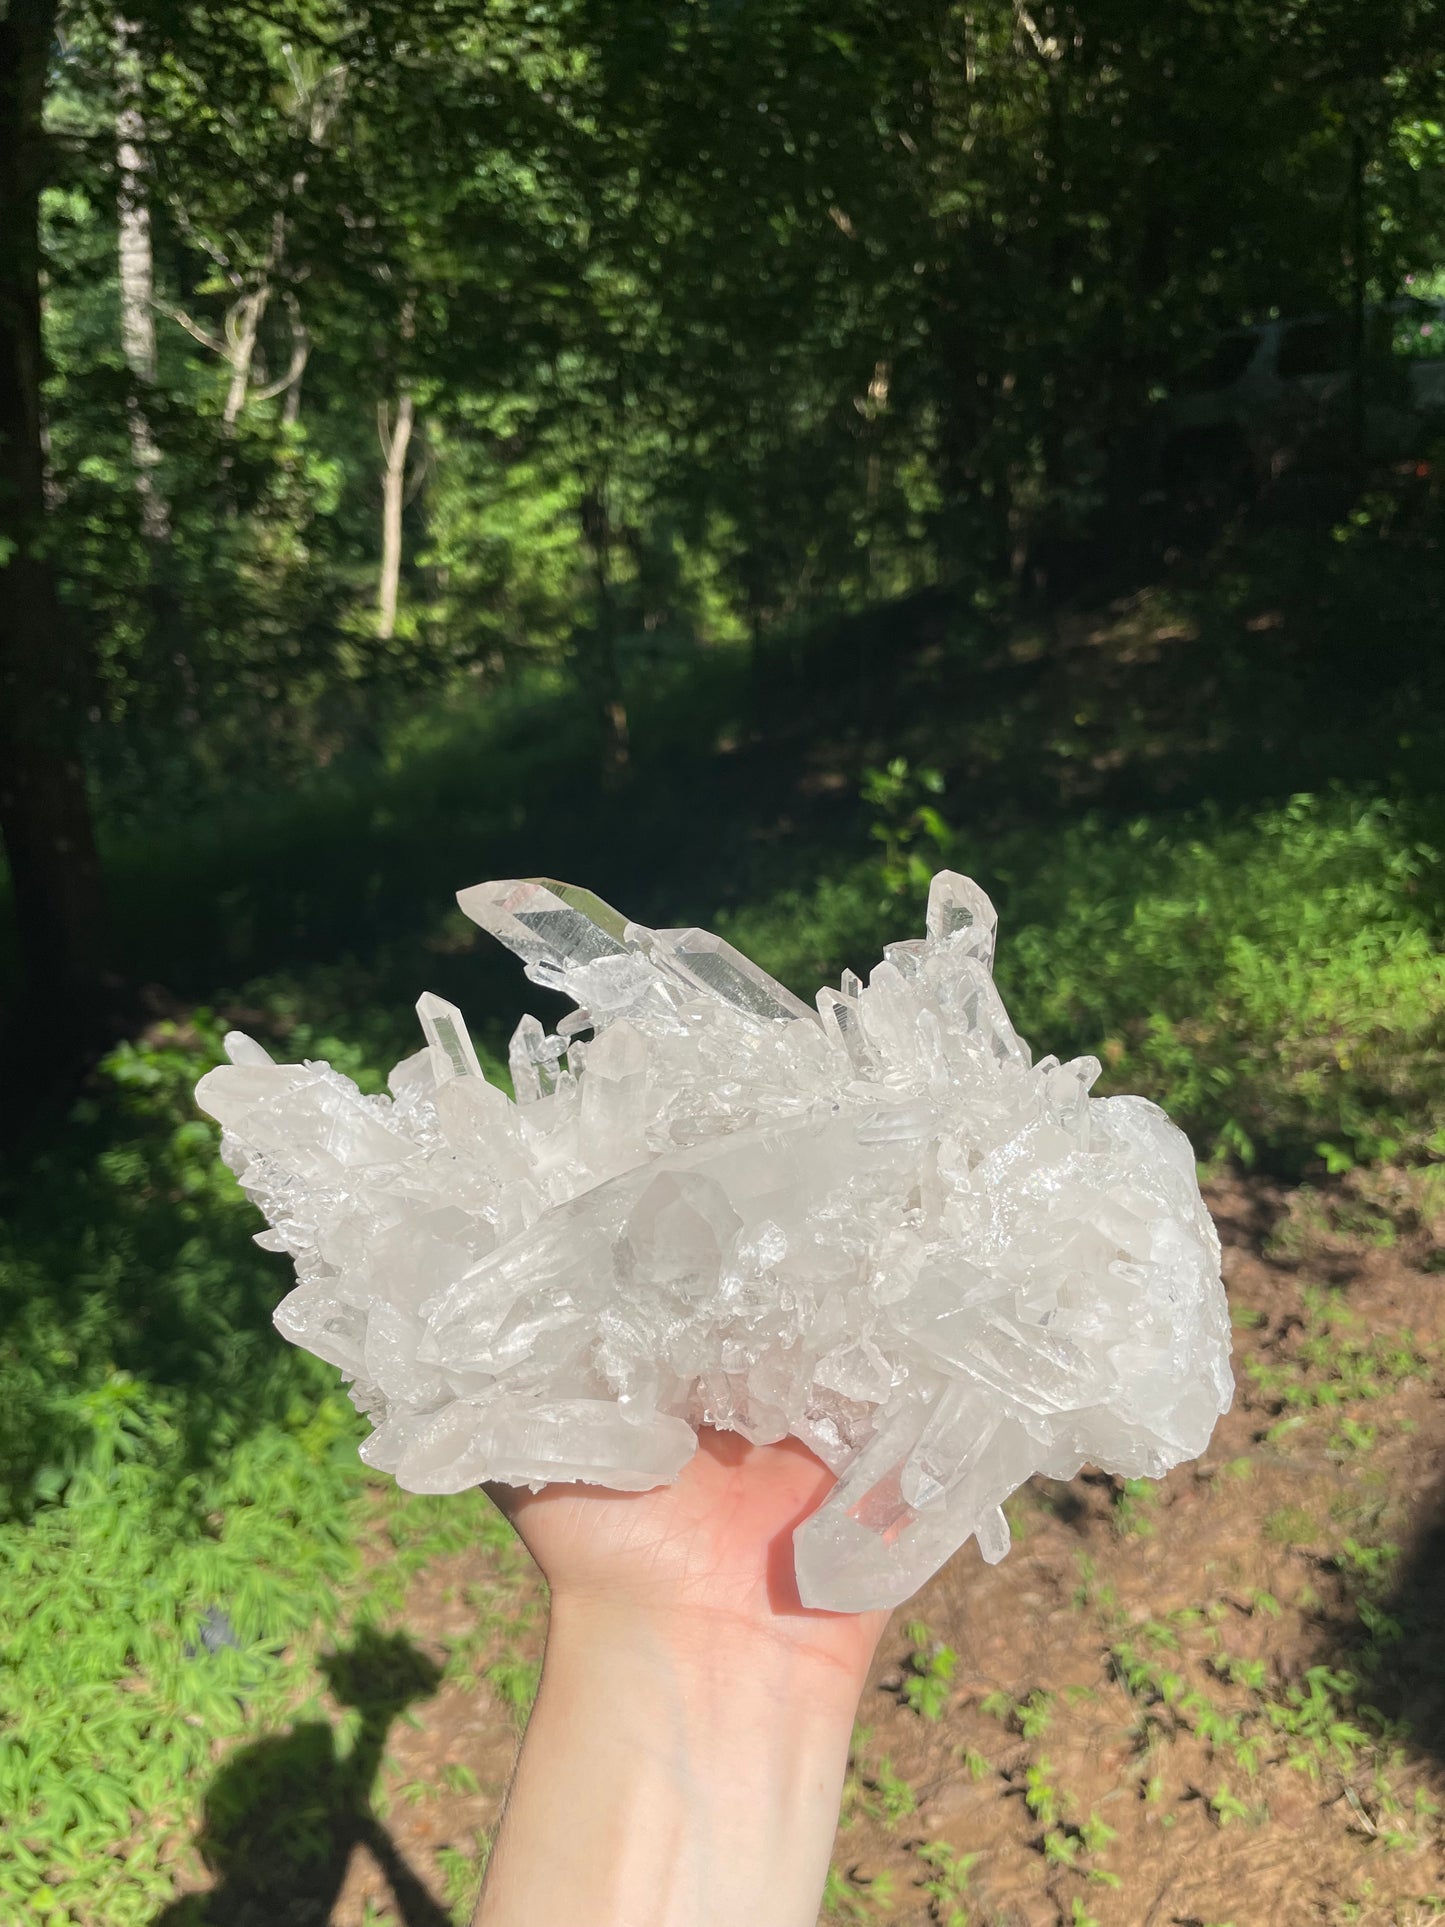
1288, 663
1219, 1699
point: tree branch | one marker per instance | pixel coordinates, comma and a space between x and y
1045, 49
208, 247
300, 354
192, 328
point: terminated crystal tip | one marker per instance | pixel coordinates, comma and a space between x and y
957, 908
450, 1045
241, 1049
552, 925
877, 1226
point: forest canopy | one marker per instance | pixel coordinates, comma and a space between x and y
378, 348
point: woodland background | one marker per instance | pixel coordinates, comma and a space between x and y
708, 451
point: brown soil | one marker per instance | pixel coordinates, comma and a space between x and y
1236, 1557
1218, 1700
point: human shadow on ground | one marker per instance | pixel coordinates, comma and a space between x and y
1405, 1679
283, 1817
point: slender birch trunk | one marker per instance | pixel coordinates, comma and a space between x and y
137, 280
243, 325
238, 341
300, 355
396, 435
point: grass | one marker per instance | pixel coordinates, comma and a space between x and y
1267, 963
1275, 979
1332, 1362
183, 1500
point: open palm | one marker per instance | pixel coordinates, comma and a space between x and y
716, 1544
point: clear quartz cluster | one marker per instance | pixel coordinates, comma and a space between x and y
875, 1225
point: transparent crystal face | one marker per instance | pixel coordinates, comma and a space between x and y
875, 1224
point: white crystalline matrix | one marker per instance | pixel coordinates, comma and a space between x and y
875, 1224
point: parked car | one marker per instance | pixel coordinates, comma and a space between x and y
1280, 396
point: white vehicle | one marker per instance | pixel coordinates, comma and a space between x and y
1282, 395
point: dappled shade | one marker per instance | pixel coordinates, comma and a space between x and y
1405, 1677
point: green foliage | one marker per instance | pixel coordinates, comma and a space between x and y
127, 1256
1283, 973
1041, 1796
515, 1682
895, 1797
848, 1896
179, 1507
784, 364
1030, 1718
1134, 1503
927, 1685
1336, 1362
946, 1882
910, 830
462, 1875
1314, 1718
1227, 1807
1275, 978
1168, 1705
1321, 1725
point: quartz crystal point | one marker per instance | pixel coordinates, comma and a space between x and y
876, 1225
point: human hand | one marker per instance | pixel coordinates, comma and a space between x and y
684, 1762
714, 1550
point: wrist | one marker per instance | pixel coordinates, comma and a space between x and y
814, 1664
682, 1771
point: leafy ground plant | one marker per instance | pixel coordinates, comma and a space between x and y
928, 1682
946, 1882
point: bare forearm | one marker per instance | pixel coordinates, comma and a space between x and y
674, 1774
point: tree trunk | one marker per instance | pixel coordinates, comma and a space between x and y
45, 816
395, 440
300, 354
137, 280
243, 325
136, 264
243, 321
